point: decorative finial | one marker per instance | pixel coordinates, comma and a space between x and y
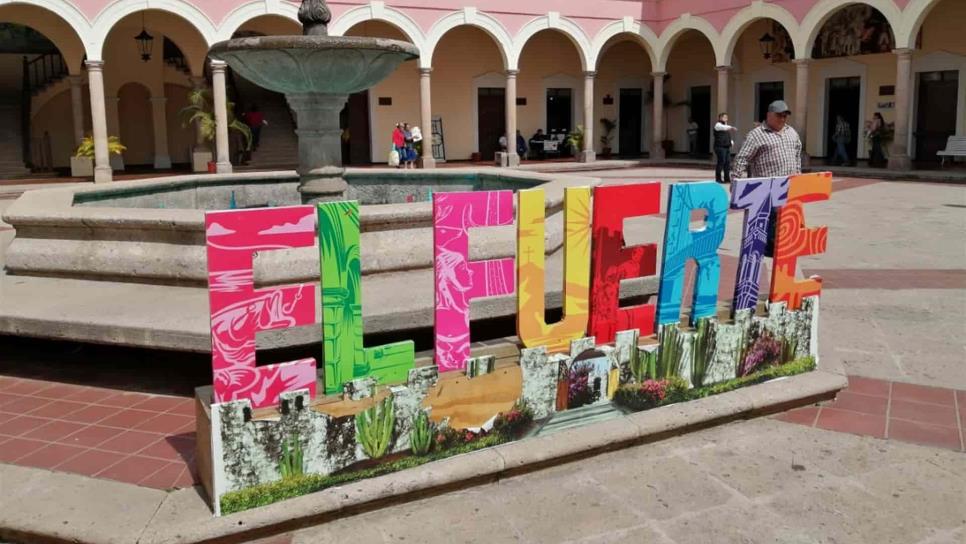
314, 16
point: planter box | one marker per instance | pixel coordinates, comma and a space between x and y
117, 163
81, 167
200, 159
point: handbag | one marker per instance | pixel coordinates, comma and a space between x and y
393, 158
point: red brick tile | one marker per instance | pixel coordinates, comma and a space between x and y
90, 414
165, 478
129, 442
55, 430
159, 403
127, 419
58, 408
50, 456
925, 434
933, 414
92, 436
22, 425
170, 448
132, 469
165, 424
24, 405
847, 421
27, 387
922, 393
8, 381
124, 400
91, 395
185, 408
58, 391
802, 416
9, 397
15, 448
868, 386
90, 462
7, 416
866, 404
188, 478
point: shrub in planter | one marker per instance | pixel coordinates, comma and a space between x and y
374, 427
765, 351
579, 390
421, 435
514, 422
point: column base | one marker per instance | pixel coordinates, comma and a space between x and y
103, 174
162, 162
900, 162
507, 160
587, 156
223, 168
323, 185
427, 162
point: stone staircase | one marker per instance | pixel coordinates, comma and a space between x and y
579, 417
279, 145
11, 150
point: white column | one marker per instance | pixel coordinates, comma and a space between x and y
77, 107
95, 79
587, 153
512, 158
800, 119
220, 98
724, 80
657, 124
899, 156
162, 159
426, 117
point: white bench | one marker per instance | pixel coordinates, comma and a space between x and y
955, 147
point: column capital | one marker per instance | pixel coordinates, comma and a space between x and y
425, 71
589, 74
802, 62
723, 68
218, 65
75, 81
94, 65
903, 53
157, 99
658, 74
512, 73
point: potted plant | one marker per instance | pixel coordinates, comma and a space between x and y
575, 140
200, 111
607, 137
82, 162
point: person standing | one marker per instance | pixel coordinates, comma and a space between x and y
410, 151
722, 148
521, 145
398, 145
877, 157
842, 137
255, 121
692, 137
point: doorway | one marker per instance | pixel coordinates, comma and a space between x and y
354, 122
491, 120
844, 94
559, 111
701, 114
935, 117
767, 92
630, 122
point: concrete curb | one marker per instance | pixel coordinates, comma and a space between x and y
184, 517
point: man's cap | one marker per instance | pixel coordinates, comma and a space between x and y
779, 106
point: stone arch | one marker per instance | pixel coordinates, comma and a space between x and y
252, 10
681, 25
553, 21
471, 17
817, 16
379, 12
743, 19
58, 21
642, 34
913, 18
182, 31
113, 14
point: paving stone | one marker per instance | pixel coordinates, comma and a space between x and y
922, 491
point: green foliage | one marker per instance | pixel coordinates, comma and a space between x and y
261, 495
514, 422
609, 126
639, 364
200, 111
789, 346
374, 427
705, 342
636, 398
575, 140
669, 353
291, 463
86, 148
421, 435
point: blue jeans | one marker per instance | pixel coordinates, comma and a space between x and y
840, 153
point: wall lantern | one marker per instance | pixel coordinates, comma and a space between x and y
767, 45
145, 42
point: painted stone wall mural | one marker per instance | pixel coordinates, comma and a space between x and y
459, 280
238, 310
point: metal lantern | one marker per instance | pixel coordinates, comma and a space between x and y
145, 43
767, 45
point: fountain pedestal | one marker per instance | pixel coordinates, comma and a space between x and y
320, 145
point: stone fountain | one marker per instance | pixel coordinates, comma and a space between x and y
316, 73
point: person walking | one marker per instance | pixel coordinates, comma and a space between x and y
410, 151
877, 157
842, 137
255, 121
722, 148
398, 145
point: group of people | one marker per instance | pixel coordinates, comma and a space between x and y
521, 143
404, 140
771, 149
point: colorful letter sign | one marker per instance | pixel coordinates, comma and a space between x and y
238, 310
458, 280
757, 197
345, 358
681, 243
532, 327
792, 239
613, 262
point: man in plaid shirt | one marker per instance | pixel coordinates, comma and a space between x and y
772, 149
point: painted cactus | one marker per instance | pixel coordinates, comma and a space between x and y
374, 427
